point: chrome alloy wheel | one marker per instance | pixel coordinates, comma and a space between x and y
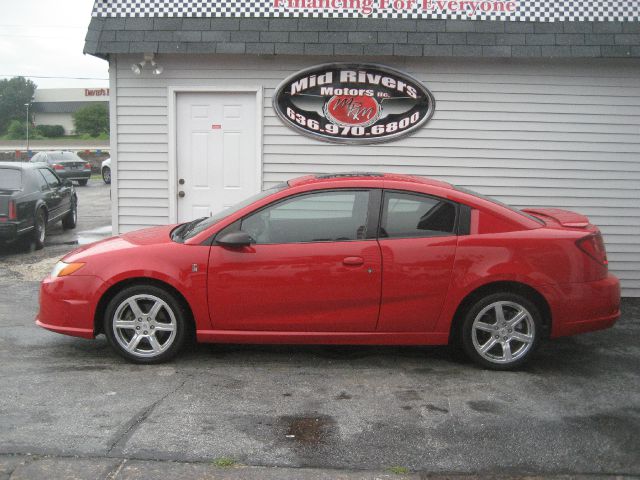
503, 332
41, 228
144, 325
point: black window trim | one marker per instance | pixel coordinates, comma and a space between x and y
51, 187
375, 197
457, 230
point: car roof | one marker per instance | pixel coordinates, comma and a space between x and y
348, 176
57, 151
19, 165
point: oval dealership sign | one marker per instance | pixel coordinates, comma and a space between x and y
353, 103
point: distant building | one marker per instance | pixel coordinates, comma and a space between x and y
56, 106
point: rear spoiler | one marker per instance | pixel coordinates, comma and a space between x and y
566, 218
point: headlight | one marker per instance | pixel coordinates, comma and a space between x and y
63, 269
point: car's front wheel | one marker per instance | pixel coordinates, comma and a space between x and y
501, 331
145, 324
106, 175
70, 220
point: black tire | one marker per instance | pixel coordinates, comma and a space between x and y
40, 230
106, 175
83, 183
171, 312
70, 220
490, 339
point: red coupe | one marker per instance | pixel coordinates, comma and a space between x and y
343, 259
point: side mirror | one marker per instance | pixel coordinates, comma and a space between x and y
235, 239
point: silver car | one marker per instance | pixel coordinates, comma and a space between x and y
106, 170
67, 165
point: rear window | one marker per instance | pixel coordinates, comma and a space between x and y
64, 156
497, 202
10, 179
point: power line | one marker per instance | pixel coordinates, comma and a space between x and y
42, 26
37, 36
63, 78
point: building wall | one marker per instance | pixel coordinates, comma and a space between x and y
71, 94
561, 133
64, 119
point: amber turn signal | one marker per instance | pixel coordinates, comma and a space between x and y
63, 269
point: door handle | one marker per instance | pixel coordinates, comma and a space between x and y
353, 261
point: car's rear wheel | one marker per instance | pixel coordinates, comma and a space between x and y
106, 175
82, 183
501, 331
40, 230
145, 324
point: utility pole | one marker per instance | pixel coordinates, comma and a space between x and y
27, 105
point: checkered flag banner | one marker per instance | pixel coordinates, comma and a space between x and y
517, 10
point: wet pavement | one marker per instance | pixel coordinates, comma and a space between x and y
69, 408
21, 262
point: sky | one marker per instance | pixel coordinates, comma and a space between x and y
45, 38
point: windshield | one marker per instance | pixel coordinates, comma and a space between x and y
497, 202
205, 223
64, 156
10, 179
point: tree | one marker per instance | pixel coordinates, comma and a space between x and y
14, 93
17, 130
92, 119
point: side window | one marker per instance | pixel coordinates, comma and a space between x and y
37, 158
50, 177
40, 180
330, 216
406, 215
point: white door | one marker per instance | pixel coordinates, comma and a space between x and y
217, 157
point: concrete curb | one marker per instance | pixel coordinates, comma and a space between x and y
34, 467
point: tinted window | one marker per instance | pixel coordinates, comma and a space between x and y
52, 180
406, 215
316, 217
10, 179
206, 223
64, 157
497, 202
39, 177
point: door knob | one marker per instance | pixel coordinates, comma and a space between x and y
181, 181
181, 194
353, 261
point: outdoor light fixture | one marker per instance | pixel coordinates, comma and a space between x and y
148, 59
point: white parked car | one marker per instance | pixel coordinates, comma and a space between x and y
106, 170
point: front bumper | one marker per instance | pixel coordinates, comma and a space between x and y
583, 307
68, 305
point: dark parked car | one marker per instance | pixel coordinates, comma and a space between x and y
33, 197
68, 165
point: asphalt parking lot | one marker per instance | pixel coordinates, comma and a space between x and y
69, 405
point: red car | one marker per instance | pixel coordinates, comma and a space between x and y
343, 259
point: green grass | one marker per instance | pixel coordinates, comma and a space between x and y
398, 470
101, 137
224, 462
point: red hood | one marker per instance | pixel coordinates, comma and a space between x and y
145, 237
566, 218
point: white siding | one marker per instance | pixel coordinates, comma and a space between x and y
531, 133
64, 119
